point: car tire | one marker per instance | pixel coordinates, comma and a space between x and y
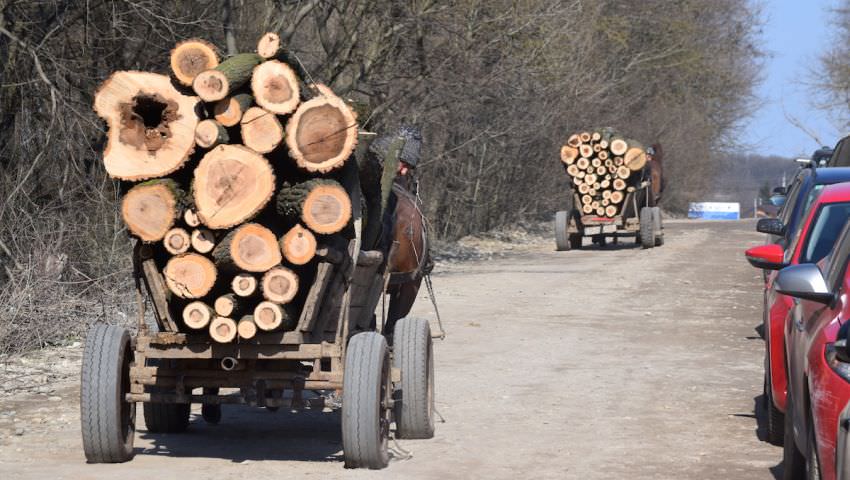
562, 238
647, 228
775, 417
413, 355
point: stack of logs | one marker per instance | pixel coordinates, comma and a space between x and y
231, 172
602, 166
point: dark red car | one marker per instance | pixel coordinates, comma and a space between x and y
815, 236
817, 354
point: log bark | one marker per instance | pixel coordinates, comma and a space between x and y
203, 240
223, 329
280, 285
246, 327
151, 126
177, 241
261, 130
298, 245
228, 305
276, 87
150, 209
210, 133
244, 285
190, 275
219, 82
229, 111
321, 204
321, 134
197, 315
232, 184
250, 247
191, 57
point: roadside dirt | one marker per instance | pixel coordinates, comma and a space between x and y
612, 363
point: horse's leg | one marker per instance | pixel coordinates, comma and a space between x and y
401, 301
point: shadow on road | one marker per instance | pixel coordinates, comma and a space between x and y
246, 434
761, 431
622, 245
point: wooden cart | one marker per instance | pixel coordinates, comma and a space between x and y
639, 219
336, 357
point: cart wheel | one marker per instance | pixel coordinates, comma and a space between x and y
211, 413
562, 223
108, 421
659, 229
365, 402
413, 354
165, 417
647, 228
575, 241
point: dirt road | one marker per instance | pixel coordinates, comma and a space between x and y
619, 363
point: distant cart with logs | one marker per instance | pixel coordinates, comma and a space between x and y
244, 200
615, 186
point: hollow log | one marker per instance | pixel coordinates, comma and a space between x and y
298, 245
228, 305
232, 183
218, 82
261, 130
229, 111
279, 285
197, 315
190, 275
223, 329
203, 240
177, 241
321, 204
244, 285
276, 87
321, 134
246, 327
250, 247
151, 126
191, 57
150, 209
210, 133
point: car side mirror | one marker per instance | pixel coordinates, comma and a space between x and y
767, 257
804, 281
772, 226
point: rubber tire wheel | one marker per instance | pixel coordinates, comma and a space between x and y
165, 417
575, 241
647, 228
413, 355
775, 418
813, 463
366, 391
209, 412
659, 228
562, 238
793, 461
108, 423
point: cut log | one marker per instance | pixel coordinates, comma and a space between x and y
583, 188
594, 204
619, 184
261, 130
604, 145
210, 133
568, 154
604, 202
572, 170
246, 327
150, 209
606, 194
635, 158
223, 329
623, 172
601, 170
616, 197
592, 192
597, 148
151, 125
250, 247
596, 163
578, 180
583, 163
585, 150
269, 45
280, 285
584, 137
587, 209
322, 205
197, 315
586, 199
321, 134
605, 184
228, 305
203, 240
177, 241
216, 83
191, 57
298, 245
595, 137
611, 211
276, 87
190, 275
244, 285
590, 179
229, 111
574, 141
269, 316
600, 211
191, 217
602, 155
232, 183
618, 161
618, 146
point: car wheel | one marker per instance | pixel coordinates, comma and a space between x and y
775, 418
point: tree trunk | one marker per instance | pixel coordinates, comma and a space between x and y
228, 305
280, 285
151, 126
190, 275
298, 245
203, 240
177, 241
223, 329
150, 209
210, 133
276, 87
232, 184
250, 247
229, 111
323, 205
246, 327
197, 315
244, 285
216, 83
321, 134
261, 130
191, 57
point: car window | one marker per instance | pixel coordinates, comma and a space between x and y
785, 213
826, 226
835, 263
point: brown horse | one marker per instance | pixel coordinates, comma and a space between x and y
410, 258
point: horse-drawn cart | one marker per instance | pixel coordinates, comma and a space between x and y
336, 357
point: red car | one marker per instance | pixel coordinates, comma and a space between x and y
817, 353
814, 238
